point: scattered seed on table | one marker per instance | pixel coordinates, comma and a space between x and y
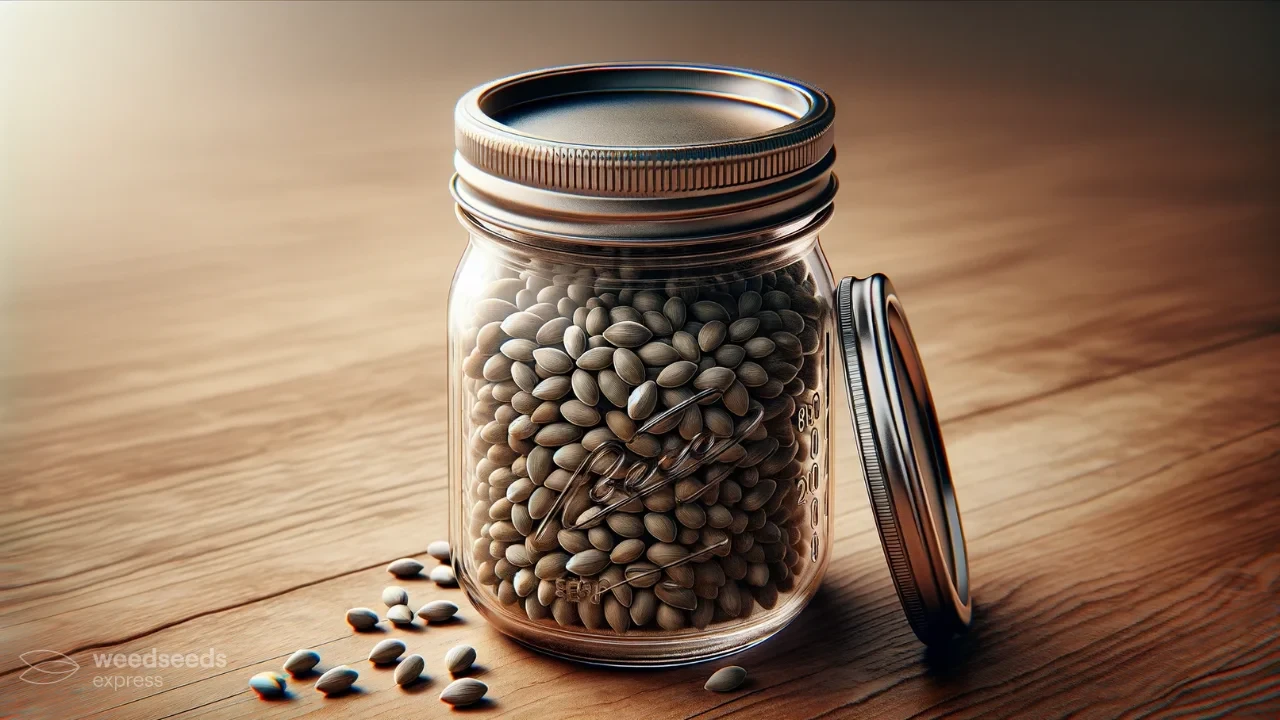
362, 618
400, 615
267, 684
439, 550
726, 679
409, 670
437, 611
337, 680
301, 662
386, 651
405, 567
459, 658
466, 691
443, 576
394, 595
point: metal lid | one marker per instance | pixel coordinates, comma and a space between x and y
903, 457
644, 151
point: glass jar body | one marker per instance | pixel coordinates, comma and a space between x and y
640, 444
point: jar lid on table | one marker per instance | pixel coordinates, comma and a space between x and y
903, 458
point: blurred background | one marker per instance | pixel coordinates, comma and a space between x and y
181, 170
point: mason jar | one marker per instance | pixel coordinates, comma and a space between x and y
642, 335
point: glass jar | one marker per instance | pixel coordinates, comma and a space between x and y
641, 337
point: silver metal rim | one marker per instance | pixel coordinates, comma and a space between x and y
645, 194
930, 573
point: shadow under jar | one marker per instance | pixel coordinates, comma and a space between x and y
641, 339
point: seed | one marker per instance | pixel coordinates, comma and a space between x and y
621, 425
642, 401
666, 552
759, 347
719, 378
545, 310
588, 562
627, 551
729, 355
743, 329
645, 445
493, 308
301, 662
627, 334
394, 595
519, 349
643, 607
657, 354
708, 311
670, 618
677, 374
439, 550
522, 325
362, 618
438, 610
565, 612
546, 412
575, 341
628, 366
553, 361
687, 346
405, 567
580, 414
558, 434
526, 299
553, 331
597, 358
464, 692
267, 684
792, 321
337, 680
410, 670
736, 399
674, 310
459, 658
585, 389
525, 582
551, 566
400, 615
522, 428
613, 388
662, 527
616, 614
691, 515
711, 335
657, 323
751, 374
553, 388
597, 321
625, 524
726, 679
386, 651
683, 598
443, 576
597, 437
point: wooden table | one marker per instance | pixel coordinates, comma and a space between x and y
223, 361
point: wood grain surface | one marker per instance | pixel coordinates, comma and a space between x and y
228, 247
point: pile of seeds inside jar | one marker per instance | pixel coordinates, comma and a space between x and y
561, 361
